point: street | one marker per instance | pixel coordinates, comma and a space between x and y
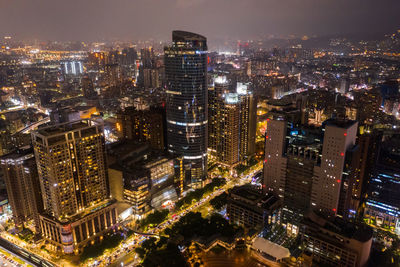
120, 257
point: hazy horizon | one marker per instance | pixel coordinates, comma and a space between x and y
94, 20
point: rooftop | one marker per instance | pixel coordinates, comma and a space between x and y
339, 226
65, 127
20, 153
184, 36
82, 108
339, 123
248, 192
271, 249
85, 212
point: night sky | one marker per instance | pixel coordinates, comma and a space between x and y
140, 19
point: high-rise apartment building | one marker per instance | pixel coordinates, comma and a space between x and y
232, 122
87, 87
215, 102
305, 166
22, 184
147, 57
128, 56
186, 77
97, 60
146, 126
228, 136
146, 67
248, 120
71, 164
113, 74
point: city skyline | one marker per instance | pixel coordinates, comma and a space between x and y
277, 143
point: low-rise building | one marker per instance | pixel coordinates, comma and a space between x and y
248, 207
73, 233
336, 242
143, 177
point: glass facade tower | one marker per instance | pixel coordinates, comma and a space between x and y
186, 75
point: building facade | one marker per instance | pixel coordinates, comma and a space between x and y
249, 208
248, 120
146, 126
304, 166
336, 242
22, 184
232, 122
187, 119
382, 204
215, 103
71, 164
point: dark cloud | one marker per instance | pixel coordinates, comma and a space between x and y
136, 19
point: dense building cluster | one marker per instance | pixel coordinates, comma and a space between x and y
299, 140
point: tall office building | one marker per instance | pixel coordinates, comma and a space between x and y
359, 162
303, 153
339, 136
186, 77
382, 204
305, 166
70, 159
22, 183
275, 161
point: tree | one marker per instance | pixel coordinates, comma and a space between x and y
219, 201
94, 251
197, 194
156, 217
170, 256
149, 244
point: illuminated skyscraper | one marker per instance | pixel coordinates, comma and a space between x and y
71, 164
215, 104
232, 118
186, 76
228, 133
248, 120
